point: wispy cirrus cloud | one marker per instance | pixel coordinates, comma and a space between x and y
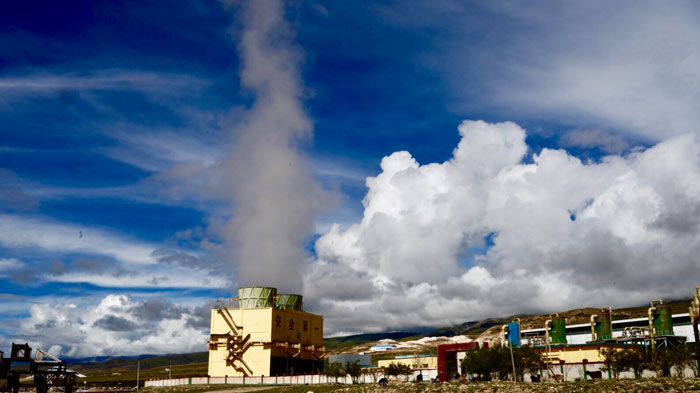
50, 235
112, 80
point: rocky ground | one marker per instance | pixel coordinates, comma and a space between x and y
647, 385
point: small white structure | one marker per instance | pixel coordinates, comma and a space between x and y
382, 347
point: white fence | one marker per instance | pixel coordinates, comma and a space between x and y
314, 379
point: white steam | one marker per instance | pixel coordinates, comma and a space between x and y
274, 194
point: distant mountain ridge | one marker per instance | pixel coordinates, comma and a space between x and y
91, 365
336, 344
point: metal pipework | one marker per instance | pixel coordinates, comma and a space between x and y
520, 329
691, 312
650, 313
594, 319
547, 324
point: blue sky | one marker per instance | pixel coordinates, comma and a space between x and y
125, 170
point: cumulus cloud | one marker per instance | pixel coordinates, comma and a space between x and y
117, 325
485, 234
607, 142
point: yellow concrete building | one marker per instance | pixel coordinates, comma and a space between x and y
266, 335
412, 361
575, 354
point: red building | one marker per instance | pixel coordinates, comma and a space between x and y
447, 358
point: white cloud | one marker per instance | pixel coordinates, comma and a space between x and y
565, 234
89, 255
117, 325
630, 66
38, 83
170, 277
17, 231
10, 264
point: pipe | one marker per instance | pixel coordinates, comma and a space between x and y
650, 313
520, 329
594, 319
691, 312
547, 324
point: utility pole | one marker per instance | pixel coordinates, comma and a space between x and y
694, 311
138, 373
512, 360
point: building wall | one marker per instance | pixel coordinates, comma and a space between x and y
363, 360
575, 354
292, 334
412, 362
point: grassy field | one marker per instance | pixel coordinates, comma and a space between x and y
127, 376
650, 385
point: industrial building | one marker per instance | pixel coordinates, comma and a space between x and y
265, 335
412, 361
345, 358
450, 358
581, 333
580, 347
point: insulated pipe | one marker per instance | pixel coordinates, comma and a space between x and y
547, 324
691, 312
594, 319
520, 329
650, 313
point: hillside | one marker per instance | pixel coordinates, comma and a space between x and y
123, 364
487, 329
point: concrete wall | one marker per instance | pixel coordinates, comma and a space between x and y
412, 362
428, 374
267, 328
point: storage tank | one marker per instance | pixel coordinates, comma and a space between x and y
663, 324
256, 297
603, 327
514, 334
558, 330
289, 302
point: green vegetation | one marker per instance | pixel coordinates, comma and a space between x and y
495, 363
396, 370
664, 362
122, 371
118, 364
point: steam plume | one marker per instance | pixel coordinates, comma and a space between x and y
274, 193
